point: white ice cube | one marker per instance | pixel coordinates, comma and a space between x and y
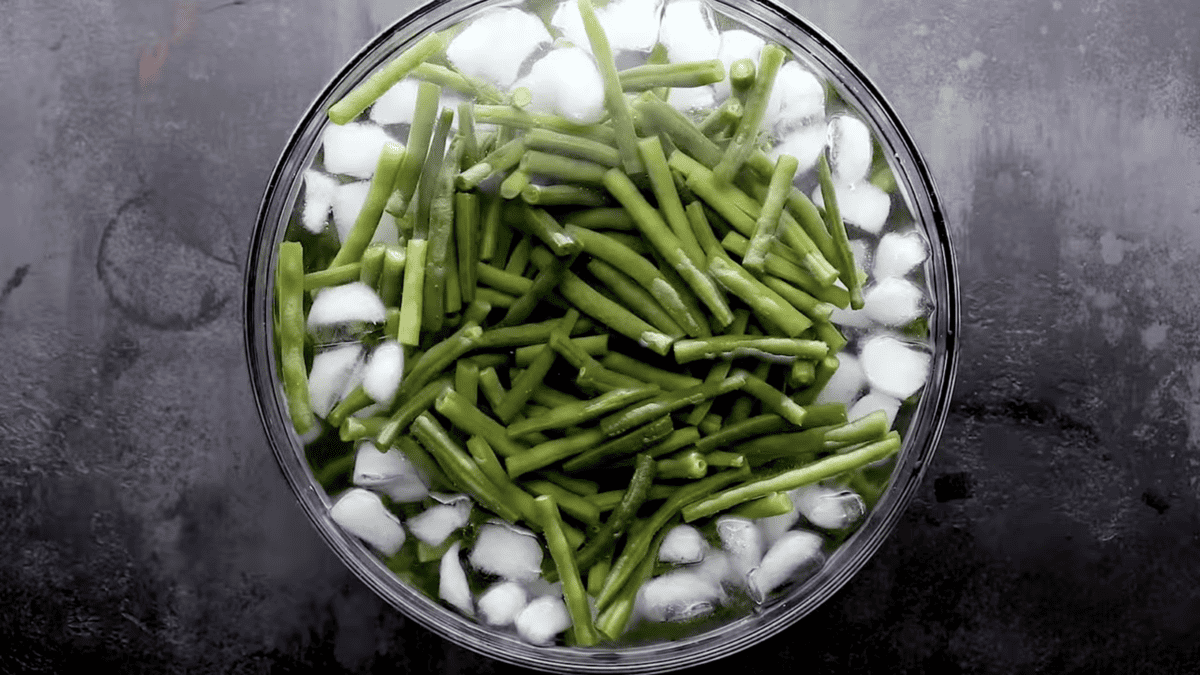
773, 527
319, 190
861, 204
632, 25
687, 99
742, 539
846, 383
688, 31
826, 507
894, 367
353, 149
496, 44
542, 619
898, 253
348, 200
397, 104
362, 513
680, 595
439, 521
717, 567
390, 473
737, 44
566, 82
797, 555
873, 401
861, 250
348, 303
452, 581
507, 551
502, 603
805, 143
894, 302
331, 370
797, 100
849, 149
683, 545
385, 367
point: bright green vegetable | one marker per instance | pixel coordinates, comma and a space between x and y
683, 74
583, 632
362, 96
372, 210
425, 114
614, 98
289, 298
847, 268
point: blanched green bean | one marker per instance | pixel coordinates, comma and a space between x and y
289, 298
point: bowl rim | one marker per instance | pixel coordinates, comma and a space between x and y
711, 645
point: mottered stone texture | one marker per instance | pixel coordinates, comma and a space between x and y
146, 526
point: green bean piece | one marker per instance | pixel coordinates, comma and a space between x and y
562, 195
720, 369
668, 380
424, 462
745, 138
489, 464
774, 400
562, 168
412, 294
459, 411
666, 403
578, 486
431, 185
779, 263
334, 471
668, 199
583, 633
466, 130
334, 276
425, 113
824, 370
466, 230
711, 424
354, 401
518, 259
367, 221
506, 282
767, 225
638, 545
538, 223
774, 504
511, 186
503, 158
741, 75
575, 414
727, 200
847, 267
682, 74
392, 274
704, 232
678, 439
868, 428
816, 310
532, 377
830, 335
550, 452
591, 302
592, 345
616, 449
490, 386
366, 93
720, 459
461, 467
637, 298
819, 470
604, 218
515, 118
466, 380
724, 117
776, 349
759, 425
824, 414
358, 428
438, 358
572, 146
551, 270
572, 504
612, 621
802, 373
409, 410
289, 299
766, 304
595, 377
690, 465
607, 501
614, 98
491, 228
623, 514
495, 298
525, 334
664, 118
596, 574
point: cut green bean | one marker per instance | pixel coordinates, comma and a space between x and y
592, 345
439, 357
583, 632
572, 504
456, 408
774, 504
562, 168
578, 486
610, 218
724, 117
614, 98
720, 459
425, 463
682, 74
825, 369
539, 223
816, 310
553, 451
745, 138
355, 429
864, 429
612, 621
503, 158
461, 467
372, 209
719, 370
531, 378
664, 118
668, 198
773, 400
767, 225
760, 425
617, 449
847, 267
591, 302
738, 346
518, 259
741, 75
551, 270
767, 305
408, 411
391, 276
525, 334
575, 414
515, 118
690, 465
466, 380
506, 282
562, 195
289, 298
634, 296
425, 113
668, 380
572, 146
334, 276
802, 374
366, 93
412, 294
623, 514
511, 186
466, 230
665, 404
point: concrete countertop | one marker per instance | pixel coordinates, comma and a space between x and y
146, 525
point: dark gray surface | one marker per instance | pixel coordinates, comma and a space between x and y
146, 525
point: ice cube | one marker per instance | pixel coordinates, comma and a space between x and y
319, 190
566, 82
507, 551
687, 99
688, 31
397, 104
348, 200
773, 527
452, 581
862, 253
502, 603
717, 567
805, 143
828, 508
683, 545
349, 303
742, 539
847, 381
629, 25
362, 513
898, 253
331, 369
872, 401
542, 619
796, 556
437, 522
353, 149
797, 100
894, 367
385, 367
390, 473
894, 302
495, 45
861, 204
680, 595
849, 149
736, 44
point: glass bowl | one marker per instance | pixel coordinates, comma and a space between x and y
923, 422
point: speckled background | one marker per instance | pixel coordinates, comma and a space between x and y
146, 526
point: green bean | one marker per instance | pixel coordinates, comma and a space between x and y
491, 228
411, 296
664, 118
614, 98
453, 79
578, 486
595, 377
774, 504
456, 408
719, 370
724, 117
767, 225
759, 425
721, 459
745, 138
550, 452
351, 403
870, 427
335, 470
392, 274
497, 161
592, 345
518, 259
591, 302
514, 118
575, 414
665, 404
612, 621
461, 468
466, 230
525, 334
824, 370
362, 96
511, 186
774, 400
357, 428
690, 465
741, 408
611, 218
620, 447
732, 204
334, 276
819, 470
607, 501
562, 195
637, 298
420, 132
596, 574
572, 504
441, 355
781, 262
847, 267
495, 298
737, 346
711, 424
490, 386
830, 335
683, 74
668, 380
532, 377
816, 310
623, 514
490, 465
425, 463
289, 298
668, 198
466, 380
408, 411
802, 373
367, 221
704, 233
766, 304
551, 270
572, 146
542, 225
466, 130
583, 632
741, 75
562, 168
506, 282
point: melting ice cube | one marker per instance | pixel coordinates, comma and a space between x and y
390, 473
797, 99
688, 31
861, 204
680, 595
737, 44
847, 381
542, 619
502, 603
348, 201
566, 82
873, 401
826, 507
687, 99
805, 143
331, 370
319, 190
683, 544
774, 527
898, 253
476, 52
348, 303
894, 367
629, 25
849, 149
507, 551
362, 513
797, 555
894, 302
742, 539
439, 521
385, 367
397, 104
353, 149
452, 580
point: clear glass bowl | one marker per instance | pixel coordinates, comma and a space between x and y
924, 423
